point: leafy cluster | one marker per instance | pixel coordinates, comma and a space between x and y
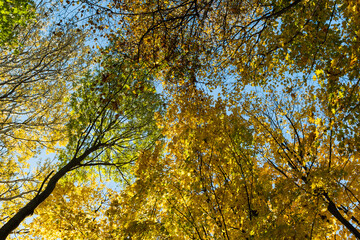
14, 14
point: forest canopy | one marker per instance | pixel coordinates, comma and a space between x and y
180, 119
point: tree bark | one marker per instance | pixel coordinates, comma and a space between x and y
335, 212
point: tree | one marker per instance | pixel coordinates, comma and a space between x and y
112, 117
275, 155
35, 74
108, 113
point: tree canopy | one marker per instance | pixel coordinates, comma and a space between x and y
214, 119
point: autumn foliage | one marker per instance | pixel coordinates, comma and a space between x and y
214, 119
